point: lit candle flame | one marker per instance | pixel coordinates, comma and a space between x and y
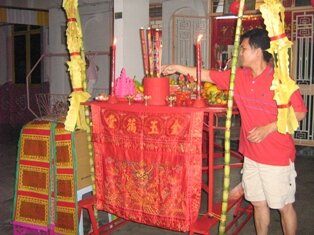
199, 38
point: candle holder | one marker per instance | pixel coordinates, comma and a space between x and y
199, 102
183, 98
171, 99
130, 98
146, 98
112, 99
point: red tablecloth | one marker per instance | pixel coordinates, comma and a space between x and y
148, 163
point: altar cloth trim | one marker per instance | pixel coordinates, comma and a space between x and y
63, 137
36, 131
34, 163
66, 204
65, 171
33, 194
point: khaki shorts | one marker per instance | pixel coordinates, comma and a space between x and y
275, 184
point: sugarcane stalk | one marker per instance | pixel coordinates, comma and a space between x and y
226, 181
88, 119
88, 129
78, 77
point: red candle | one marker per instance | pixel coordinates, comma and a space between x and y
144, 51
113, 67
198, 64
150, 51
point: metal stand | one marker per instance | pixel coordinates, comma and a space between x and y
205, 223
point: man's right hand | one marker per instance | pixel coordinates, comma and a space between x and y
168, 69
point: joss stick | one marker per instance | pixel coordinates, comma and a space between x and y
144, 51
113, 67
226, 181
198, 64
160, 57
150, 51
157, 52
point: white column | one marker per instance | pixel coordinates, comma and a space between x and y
129, 17
59, 77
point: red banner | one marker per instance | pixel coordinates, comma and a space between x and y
148, 163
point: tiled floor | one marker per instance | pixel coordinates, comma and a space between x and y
304, 197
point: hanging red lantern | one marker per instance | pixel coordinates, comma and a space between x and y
312, 3
235, 5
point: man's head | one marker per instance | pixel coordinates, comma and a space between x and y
257, 39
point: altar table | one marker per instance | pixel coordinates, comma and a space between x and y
148, 164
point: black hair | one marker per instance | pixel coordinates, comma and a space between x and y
258, 38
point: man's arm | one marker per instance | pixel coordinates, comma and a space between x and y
257, 134
176, 68
300, 115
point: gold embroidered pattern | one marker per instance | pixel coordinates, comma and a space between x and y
34, 179
32, 210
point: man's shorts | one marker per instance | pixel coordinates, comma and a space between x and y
275, 184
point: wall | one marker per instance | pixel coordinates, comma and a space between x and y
97, 33
97, 25
126, 30
33, 4
58, 77
170, 8
96, 21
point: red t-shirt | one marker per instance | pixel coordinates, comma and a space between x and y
257, 107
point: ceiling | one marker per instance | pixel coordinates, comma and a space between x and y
46, 4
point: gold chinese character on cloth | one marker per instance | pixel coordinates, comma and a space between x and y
131, 125
111, 121
153, 127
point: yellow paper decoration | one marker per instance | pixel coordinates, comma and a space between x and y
77, 68
283, 86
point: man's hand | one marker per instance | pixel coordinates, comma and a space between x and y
168, 69
257, 134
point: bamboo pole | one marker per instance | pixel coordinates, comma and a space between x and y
226, 182
88, 121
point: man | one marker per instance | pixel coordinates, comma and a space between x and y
268, 176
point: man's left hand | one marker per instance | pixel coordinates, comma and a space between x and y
257, 134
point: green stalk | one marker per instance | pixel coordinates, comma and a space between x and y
226, 182
83, 112
87, 118
87, 113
